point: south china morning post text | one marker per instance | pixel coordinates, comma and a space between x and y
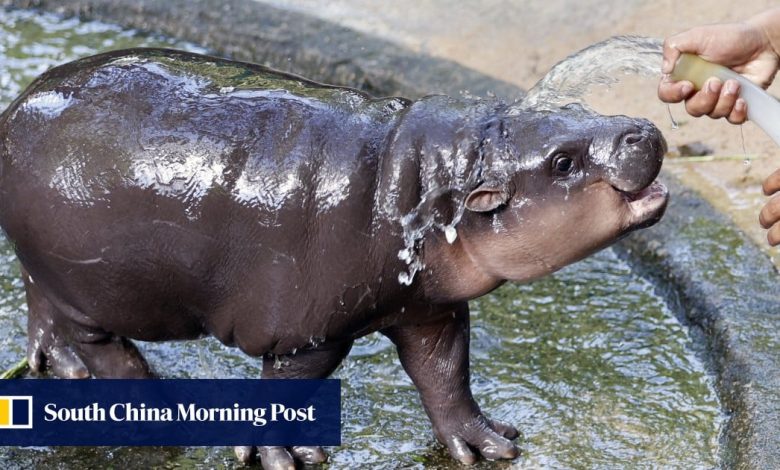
119, 412
175, 412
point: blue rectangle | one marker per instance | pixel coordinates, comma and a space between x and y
200, 412
20, 411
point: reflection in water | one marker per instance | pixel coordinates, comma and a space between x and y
589, 364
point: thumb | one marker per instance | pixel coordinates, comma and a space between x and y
693, 41
671, 54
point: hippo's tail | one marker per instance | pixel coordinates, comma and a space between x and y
5, 115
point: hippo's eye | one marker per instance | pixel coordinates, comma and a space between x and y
562, 164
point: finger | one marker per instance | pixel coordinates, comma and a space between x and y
674, 92
773, 236
496, 447
704, 101
770, 213
309, 454
245, 454
671, 54
772, 183
729, 93
739, 113
460, 450
275, 458
692, 41
504, 429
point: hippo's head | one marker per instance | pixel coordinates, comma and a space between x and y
558, 186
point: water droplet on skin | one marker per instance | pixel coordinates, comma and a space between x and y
451, 234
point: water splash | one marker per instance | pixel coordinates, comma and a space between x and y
417, 223
598, 64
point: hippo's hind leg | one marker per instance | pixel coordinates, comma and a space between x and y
316, 363
71, 350
46, 345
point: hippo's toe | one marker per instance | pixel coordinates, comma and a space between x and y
491, 438
505, 429
309, 454
245, 454
273, 458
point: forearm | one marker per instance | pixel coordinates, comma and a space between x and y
769, 22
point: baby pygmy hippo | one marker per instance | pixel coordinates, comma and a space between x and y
156, 195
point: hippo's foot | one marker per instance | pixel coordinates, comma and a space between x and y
72, 351
47, 348
113, 357
491, 438
48, 351
315, 363
282, 458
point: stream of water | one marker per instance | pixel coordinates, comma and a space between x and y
599, 64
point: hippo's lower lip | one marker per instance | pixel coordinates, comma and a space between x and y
647, 205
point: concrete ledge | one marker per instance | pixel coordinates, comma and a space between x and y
289, 41
722, 285
726, 288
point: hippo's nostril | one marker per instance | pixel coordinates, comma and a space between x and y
633, 138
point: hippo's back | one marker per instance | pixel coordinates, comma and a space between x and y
185, 124
145, 161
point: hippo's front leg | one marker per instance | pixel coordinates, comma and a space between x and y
436, 357
316, 363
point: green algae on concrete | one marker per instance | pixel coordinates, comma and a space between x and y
727, 288
291, 42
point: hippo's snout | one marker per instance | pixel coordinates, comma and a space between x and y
637, 157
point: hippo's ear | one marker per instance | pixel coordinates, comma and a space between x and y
486, 199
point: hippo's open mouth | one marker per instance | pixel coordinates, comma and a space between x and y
647, 205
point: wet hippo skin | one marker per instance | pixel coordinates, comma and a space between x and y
155, 195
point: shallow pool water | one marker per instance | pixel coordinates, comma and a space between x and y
590, 364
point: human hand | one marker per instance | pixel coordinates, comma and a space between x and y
744, 47
770, 213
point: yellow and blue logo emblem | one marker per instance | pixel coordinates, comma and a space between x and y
15, 412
